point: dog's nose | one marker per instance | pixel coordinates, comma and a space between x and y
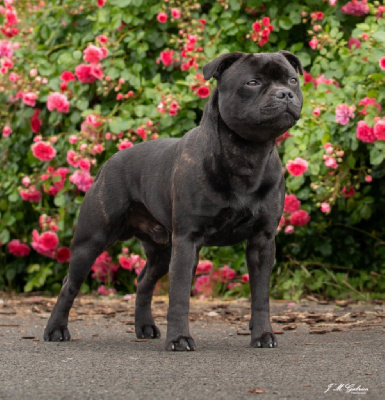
284, 94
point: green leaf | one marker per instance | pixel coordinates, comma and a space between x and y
379, 36
82, 104
77, 54
304, 58
118, 125
14, 197
351, 161
33, 268
60, 200
376, 156
235, 5
285, 23
5, 236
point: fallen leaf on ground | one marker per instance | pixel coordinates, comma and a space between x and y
6, 311
278, 332
319, 331
283, 318
212, 314
289, 327
342, 303
256, 391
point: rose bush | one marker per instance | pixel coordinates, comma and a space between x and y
81, 80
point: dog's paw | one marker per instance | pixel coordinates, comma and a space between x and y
183, 343
266, 339
58, 334
147, 332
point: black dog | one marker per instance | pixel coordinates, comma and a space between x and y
220, 184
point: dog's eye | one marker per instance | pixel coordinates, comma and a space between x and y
254, 82
293, 81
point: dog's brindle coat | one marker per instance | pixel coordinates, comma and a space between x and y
220, 184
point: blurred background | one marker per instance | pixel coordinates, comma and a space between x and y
81, 80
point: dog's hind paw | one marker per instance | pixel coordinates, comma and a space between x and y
182, 344
147, 332
59, 334
266, 339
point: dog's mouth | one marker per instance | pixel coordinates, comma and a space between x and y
280, 116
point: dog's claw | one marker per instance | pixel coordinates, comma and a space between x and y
183, 343
147, 332
57, 335
266, 340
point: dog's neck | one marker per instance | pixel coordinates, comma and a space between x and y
240, 157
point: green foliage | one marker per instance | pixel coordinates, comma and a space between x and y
337, 254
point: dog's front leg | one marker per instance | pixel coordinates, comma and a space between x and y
183, 262
260, 253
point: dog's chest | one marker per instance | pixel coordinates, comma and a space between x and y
232, 225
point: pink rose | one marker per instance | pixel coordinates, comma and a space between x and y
162, 17
291, 203
344, 113
330, 162
325, 207
58, 101
18, 249
63, 254
7, 130
166, 57
299, 218
43, 151
313, 43
67, 76
203, 92
356, 7
365, 133
29, 99
297, 167
316, 111
175, 13
378, 130
88, 73
381, 62
93, 54
204, 267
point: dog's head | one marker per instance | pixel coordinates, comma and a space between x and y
259, 94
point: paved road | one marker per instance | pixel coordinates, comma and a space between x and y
105, 362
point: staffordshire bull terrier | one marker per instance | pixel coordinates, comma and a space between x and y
222, 183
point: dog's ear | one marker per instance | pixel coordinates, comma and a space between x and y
293, 60
216, 67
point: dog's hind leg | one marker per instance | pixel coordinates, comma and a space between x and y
91, 238
158, 260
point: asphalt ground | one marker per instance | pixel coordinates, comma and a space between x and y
105, 361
